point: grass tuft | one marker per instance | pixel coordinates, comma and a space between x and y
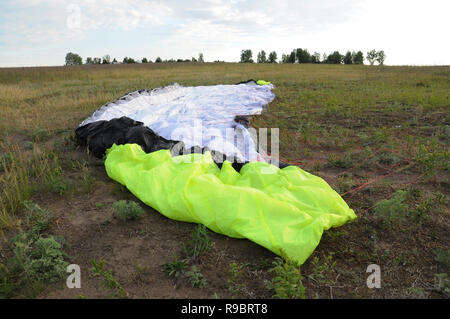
128, 210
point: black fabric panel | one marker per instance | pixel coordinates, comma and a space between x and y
101, 135
246, 82
149, 140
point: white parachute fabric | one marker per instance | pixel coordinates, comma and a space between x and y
198, 116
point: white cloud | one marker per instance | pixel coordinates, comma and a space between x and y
42, 21
122, 14
411, 32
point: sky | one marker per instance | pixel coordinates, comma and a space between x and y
41, 32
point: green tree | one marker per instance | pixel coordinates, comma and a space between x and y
358, 58
348, 59
128, 60
381, 56
73, 59
246, 56
315, 58
89, 60
291, 57
335, 58
201, 58
372, 56
262, 57
144, 60
273, 57
303, 56
106, 59
158, 60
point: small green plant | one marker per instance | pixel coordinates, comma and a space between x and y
56, 182
432, 156
323, 273
5, 162
345, 183
98, 270
45, 261
380, 135
417, 292
28, 145
261, 264
334, 234
35, 262
87, 181
234, 283
442, 257
199, 243
442, 283
175, 268
287, 280
422, 209
196, 278
141, 271
37, 218
392, 210
40, 135
128, 210
387, 158
345, 161
106, 222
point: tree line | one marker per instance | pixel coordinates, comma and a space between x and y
303, 56
296, 56
76, 59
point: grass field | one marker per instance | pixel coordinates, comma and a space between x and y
378, 135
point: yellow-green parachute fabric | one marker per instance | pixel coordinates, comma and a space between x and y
285, 210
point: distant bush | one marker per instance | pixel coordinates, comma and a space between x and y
262, 57
273, 57
128, 60
246, 56
303, 56
348, 58
73, 59
335, 58
358, 58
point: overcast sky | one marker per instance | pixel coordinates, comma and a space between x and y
41, 32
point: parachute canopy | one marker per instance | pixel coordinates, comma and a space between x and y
283, 209
198, 116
